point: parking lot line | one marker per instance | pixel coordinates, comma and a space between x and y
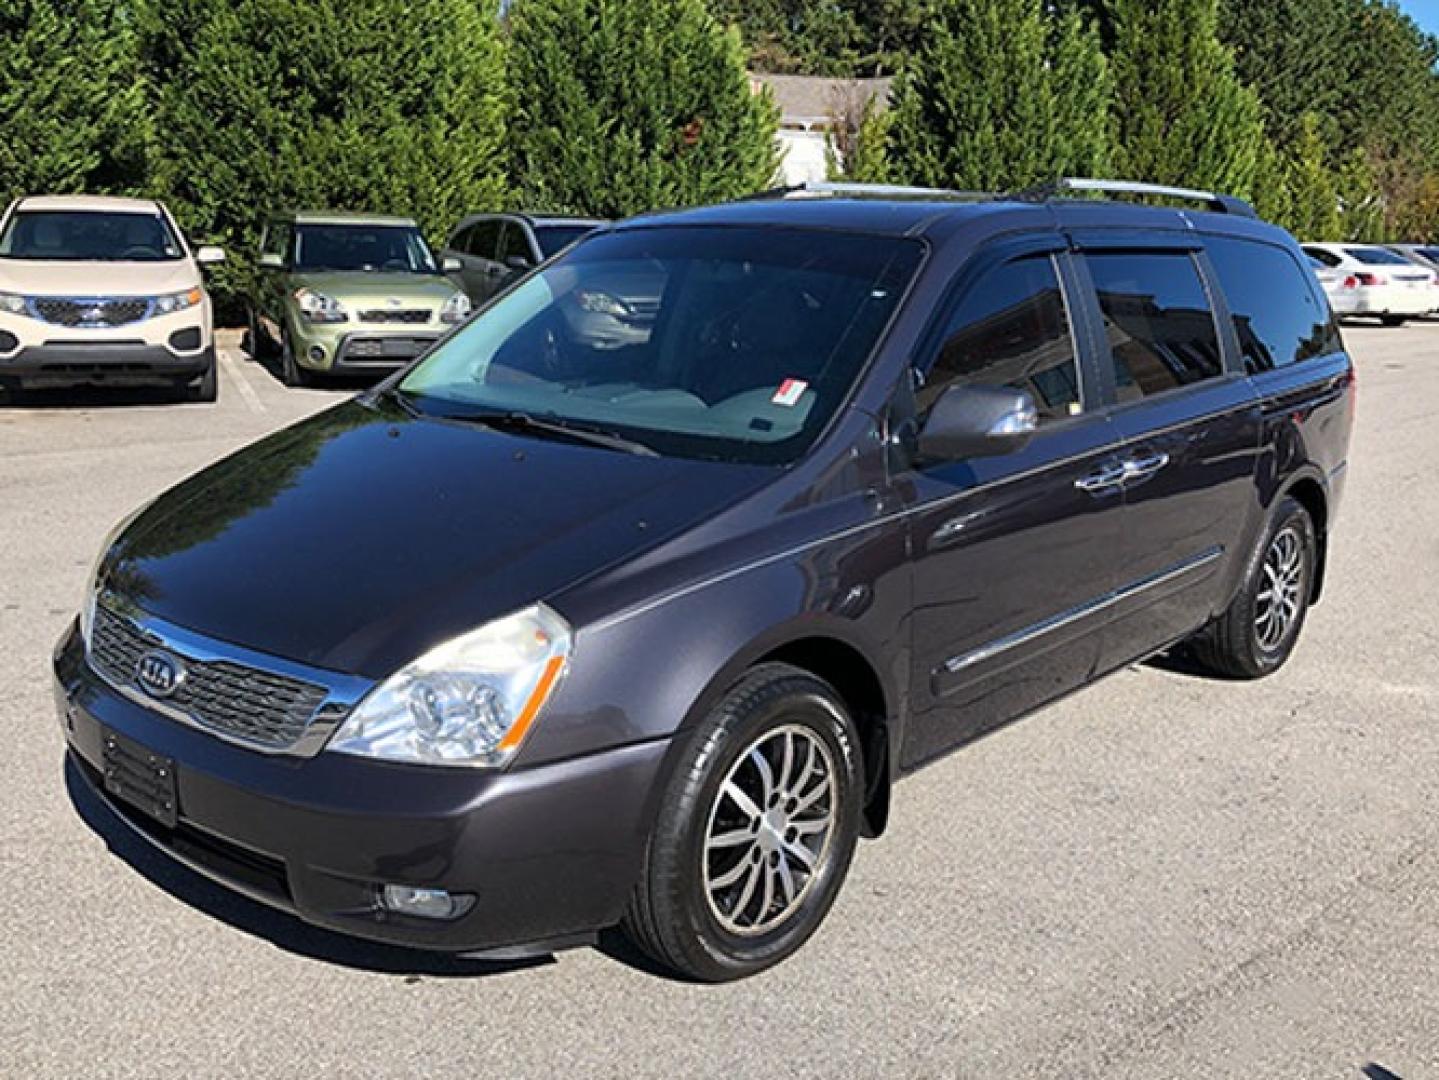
237, 376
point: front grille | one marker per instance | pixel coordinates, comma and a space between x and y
235, 699
99, 312
395, 315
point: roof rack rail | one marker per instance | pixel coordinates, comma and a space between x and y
1224, 204
828, 189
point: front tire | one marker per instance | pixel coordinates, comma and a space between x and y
290, 370
1393, 320
755, 831
207, 387
1257, 634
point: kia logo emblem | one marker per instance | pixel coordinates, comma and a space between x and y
159, 674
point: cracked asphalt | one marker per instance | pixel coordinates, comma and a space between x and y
1162, 876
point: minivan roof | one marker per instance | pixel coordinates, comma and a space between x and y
892, 211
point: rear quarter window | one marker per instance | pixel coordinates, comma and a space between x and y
1373, 256
1277, 316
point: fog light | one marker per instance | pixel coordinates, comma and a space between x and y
317, 353
424, 903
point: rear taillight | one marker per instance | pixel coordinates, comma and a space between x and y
1351, 282
1372, 279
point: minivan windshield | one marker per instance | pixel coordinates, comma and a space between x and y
733, 343
362, 248
89, 236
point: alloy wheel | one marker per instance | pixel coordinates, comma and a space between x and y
770, 830
1281, 596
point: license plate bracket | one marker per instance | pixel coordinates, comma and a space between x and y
141, 777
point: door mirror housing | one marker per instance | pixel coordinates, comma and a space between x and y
451, 265
209, 255
978, 421
270, 261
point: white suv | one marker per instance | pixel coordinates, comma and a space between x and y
103, 290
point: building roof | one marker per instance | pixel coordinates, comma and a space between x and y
112, 203
805, 100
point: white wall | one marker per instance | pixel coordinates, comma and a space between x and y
803, 156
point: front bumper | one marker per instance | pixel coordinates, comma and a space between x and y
549, 853
105, 362
360, 349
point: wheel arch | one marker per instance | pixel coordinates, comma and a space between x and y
1309, 492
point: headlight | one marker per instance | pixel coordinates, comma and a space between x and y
168, 305
602, 303
92, 583
455, 309
469, 701
14, 305
319, 308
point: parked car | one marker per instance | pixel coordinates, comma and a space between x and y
106, 291
349, 294
540, 637
492, 250
1425, 255
1372, 280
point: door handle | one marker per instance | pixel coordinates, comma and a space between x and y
1104, 479
1145, 467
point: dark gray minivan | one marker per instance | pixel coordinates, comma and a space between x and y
556, 631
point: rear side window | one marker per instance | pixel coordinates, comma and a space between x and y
484, 240
1373, 256
1276, 315
1158, 321
1325, 258
1011, 329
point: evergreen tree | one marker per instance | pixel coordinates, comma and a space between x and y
369, 105
1183, 116
1361, 210
1314, 201
1083, 95
622, 106
989, 103
862, 155
72, 114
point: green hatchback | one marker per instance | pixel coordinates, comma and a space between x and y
349, 294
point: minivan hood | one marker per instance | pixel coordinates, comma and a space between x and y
377, 288
360, 538
44, 277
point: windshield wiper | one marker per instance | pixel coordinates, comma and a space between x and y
515, 420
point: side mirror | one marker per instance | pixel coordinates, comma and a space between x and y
210, 255
270, 261
518, 262
451, 265
978, 421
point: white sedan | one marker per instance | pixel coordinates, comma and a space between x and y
1363, 279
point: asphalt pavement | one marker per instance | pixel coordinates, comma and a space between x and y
1163, 876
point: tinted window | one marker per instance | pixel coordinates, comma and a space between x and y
89, 236
515, 244
1276, 315
1430, 253
484, 240
1157, 319
1373, 256
555, 238
1327, 258
736, 344
459, 240
1011, 329
277, 240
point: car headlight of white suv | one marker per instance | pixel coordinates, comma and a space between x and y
456, 309
469, 701
180, 301
12, 304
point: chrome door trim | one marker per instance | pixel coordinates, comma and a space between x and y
956, 665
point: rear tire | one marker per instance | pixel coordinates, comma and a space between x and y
1393, 320
1256, 635
755, 831
11, 391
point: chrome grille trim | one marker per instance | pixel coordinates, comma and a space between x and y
98, 311
257, 701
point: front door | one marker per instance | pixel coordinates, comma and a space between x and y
1014, 557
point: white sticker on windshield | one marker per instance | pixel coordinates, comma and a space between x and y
789, 392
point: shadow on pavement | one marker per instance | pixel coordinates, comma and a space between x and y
280, 929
